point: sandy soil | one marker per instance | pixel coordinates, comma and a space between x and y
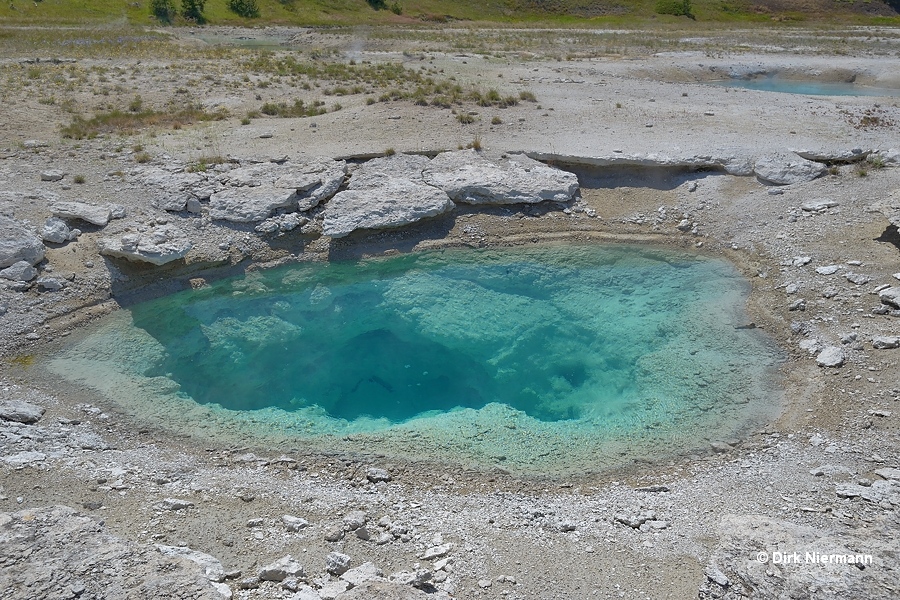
513, 536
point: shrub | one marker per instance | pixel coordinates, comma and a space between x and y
163, 10
679, 8
193, 10
248, 9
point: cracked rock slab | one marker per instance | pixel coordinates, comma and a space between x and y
781, 170
18, 243
468, 177
158, 246
95, 215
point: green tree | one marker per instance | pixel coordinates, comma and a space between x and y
163, 10
193, 10
244, 8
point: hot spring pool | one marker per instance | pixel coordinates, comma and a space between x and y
555, 358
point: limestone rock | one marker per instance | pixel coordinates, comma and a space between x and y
53, 552
52, 175
96, 215
732, 162
172, 190
749, 566
885, 342
294, 524
388, 590
466, 176
212, 567
20, 411
49, 284
831, 356
818, 205
379, 201
890, 158
337, 563
20, 271
361, 574
249, 204
281, 569
56, 231
158, 246
23, 459
376, 475
780, 170
174, 504
834, 155
17, 243
890, 296
314, 181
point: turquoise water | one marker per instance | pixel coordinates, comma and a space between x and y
809, 88
531, 352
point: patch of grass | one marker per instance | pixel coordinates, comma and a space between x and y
296, 110
201, 165
79, 179
475, 144
390, 152
465, 118
125, 123
142, 157
527, 96
496, 121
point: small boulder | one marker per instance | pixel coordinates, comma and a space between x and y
337, 563
52, 175
18, 243
890, 296
20, 412
294, 524
884, 342
781, 170
20, 271
281, 569
56, 231
96, 215
830, 357
377, 475
211, 565
158, 246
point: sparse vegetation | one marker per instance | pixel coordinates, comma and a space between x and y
496, 121
79, 179
465, 118
298, 109
120, 122
142, 157
248, 9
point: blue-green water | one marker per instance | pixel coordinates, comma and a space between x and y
809, 88
531, 352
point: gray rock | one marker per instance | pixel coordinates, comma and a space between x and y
20, 271
96, 215
831, 356
55, 231
23, 459
333, 589
117, 211
337, 563
884, 342
294, 524
858, 278
889, 158
828, 269
171, 190
158, 246
173, 504
249, 204
281, 569
746, 557
818, 205
378, 201
212, 567
437, 551
781, 170
354, 520
890, 296
49, 284
731, 162
834, 155
72, 556
466, 176
52, 175
17, 243
888, 473
362, 574
20, 411
377, 475
315, 181
335, 534
388, 590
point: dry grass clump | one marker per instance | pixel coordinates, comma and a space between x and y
121, 122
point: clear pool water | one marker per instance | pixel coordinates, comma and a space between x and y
565, 355
809, 88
